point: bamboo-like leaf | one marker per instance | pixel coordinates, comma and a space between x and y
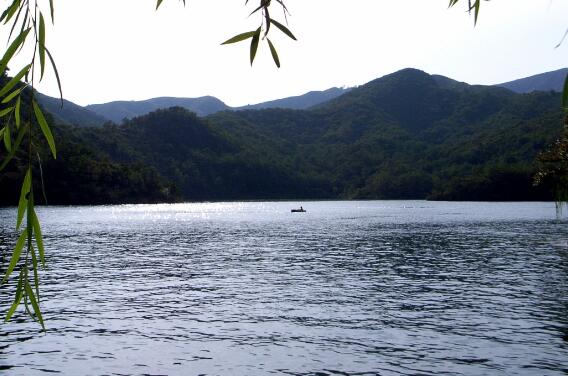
17, 112
11, 96
17, 298
20, 39
7, 139
10, 11
6, 111
158, 4
274, 53
56, 75
565, 93
31, 296
15, 255
45, 129
24, 192
476, 12
38, 237
283, 28
51, 11
240, 37
21, 133
34, 264
254, 45
41, 43
16, 79
16, 21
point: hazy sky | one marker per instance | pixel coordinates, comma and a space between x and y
124, 50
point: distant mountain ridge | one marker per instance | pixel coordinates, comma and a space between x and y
70, 113
541, 82
120, 110
117, 111
299, 102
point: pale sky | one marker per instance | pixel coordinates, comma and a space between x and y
110, 50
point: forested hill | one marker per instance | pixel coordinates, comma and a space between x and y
406, 135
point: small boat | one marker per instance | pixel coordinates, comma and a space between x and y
301, 210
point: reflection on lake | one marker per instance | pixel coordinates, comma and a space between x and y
348, 288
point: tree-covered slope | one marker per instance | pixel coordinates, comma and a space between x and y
406, 135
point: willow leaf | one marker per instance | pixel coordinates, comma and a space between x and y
51, 10
41, 42
7, 139
17, 298
31, 296
38, 237
240, 37
16, 79
283, 28
20, 39
15, 255
6, 111
17, 112
45, 129
274, 53
24, 192
21, 133
254, 45
11, 96
9, 13
56, 75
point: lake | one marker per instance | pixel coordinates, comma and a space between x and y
248, 288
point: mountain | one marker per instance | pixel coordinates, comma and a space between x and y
540, 82
299, 102
70, 113
120, 110
408, 135
203, 106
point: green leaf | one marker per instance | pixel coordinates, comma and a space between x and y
476, 13
41, 43
17, 112
37, 311
38, 237
6, 111
20, 39
254, 45
158, 4
274, 53
23, 203
283, 28
11, 96
7, 139
9, 13
21, 133
51, 10
24, 195
15, 255
17, 298
45, 128
56, 75
16, 79
240, 37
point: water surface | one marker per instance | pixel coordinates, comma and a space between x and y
348, 288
